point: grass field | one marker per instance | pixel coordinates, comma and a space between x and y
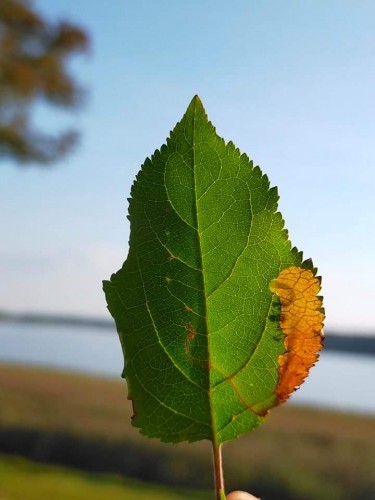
299, 453
23, 480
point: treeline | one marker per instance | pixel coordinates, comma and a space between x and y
55, 319
358, 344
105, 456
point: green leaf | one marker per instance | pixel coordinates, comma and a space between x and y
210, 301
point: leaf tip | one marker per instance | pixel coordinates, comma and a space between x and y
197, 99
196, 104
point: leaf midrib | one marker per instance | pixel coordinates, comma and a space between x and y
214, 434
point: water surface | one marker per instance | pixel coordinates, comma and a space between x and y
342, 381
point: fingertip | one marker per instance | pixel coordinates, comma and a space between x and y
241, 495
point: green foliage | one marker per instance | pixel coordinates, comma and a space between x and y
33, 55
192, 303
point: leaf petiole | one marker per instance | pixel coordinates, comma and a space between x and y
218, 467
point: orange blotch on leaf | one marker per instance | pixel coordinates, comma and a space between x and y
301, 320
190, 332
190, 336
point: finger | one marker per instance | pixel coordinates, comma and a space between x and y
241, 495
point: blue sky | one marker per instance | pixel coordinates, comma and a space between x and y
291, 83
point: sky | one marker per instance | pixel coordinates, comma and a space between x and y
291, 83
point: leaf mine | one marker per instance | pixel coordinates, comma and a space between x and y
301, 320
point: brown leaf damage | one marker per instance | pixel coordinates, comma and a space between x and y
301, 320
133, 406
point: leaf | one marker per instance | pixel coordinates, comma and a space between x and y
217, 314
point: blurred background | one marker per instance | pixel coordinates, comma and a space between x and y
88, 89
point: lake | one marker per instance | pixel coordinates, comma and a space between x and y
341, 381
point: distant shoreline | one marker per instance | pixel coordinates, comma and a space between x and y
55, 319
355, 344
